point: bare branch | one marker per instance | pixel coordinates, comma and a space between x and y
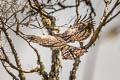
21, 75
10, 73
88, 2
56, 64
41, 70
75, 68
14, 67
102, 23
111, 18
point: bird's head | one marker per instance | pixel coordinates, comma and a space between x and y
31, 38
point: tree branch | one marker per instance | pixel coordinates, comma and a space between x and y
100, 26
14, 67
17, 60
56, 64
110, 19
10, 73
75, 68
41, 69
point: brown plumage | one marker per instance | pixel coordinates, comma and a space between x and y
47, 40
79, 32
68, 52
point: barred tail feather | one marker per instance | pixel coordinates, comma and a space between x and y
70, 52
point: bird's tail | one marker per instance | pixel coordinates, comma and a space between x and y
70, 52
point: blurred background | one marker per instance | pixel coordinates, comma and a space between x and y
102, 62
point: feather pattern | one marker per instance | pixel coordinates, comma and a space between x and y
68, 52
80, 31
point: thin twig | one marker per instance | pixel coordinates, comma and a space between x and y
36, 69
102, 23
112, 17
18, 63
8, 71
41, 69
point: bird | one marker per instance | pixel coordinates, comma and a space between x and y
71, 52
79, 31
47, 40
68, 52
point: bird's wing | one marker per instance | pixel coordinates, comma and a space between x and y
47, 40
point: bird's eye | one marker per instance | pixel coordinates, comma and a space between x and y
32, 38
